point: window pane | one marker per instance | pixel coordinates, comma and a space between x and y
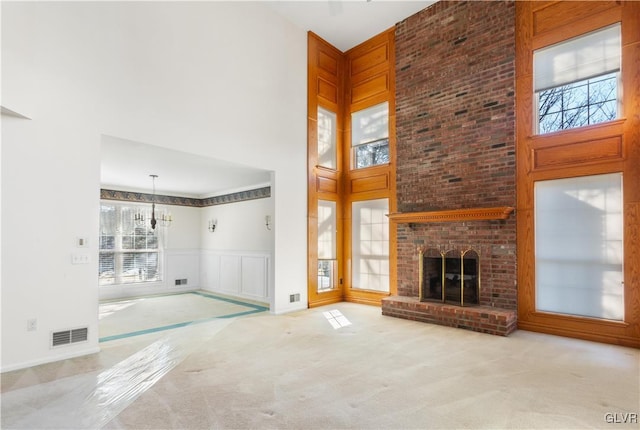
107, 242
370, 124
326, 138
106, 268
591, 101
127, 242
370, 245
327, 244
327, 274
593, 54
327, 228
108, 227
372, 154
129, 252
139, 267
551, 122
579, 246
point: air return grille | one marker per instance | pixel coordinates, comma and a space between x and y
67, 337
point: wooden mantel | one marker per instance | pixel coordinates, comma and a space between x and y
456, 215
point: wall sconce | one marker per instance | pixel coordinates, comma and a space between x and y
267, 222
212, 225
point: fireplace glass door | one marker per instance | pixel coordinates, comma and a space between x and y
579, 246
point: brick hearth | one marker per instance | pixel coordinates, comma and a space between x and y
477, 318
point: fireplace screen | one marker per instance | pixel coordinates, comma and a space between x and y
450, 276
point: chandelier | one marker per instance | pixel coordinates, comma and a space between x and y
163, 218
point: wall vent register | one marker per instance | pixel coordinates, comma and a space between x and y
67, 337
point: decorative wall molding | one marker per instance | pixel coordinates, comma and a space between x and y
456, 215
240, 196
242, 274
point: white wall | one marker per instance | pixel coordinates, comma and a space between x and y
241, 226
219, 79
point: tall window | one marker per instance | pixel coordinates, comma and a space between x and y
327, 139
327, 245
370, 245
129, 253
579, 246
370, 136
577, 81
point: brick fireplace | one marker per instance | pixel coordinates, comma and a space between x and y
455, 174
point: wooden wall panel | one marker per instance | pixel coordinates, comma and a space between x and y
345, 82
378, 56
601, 148
327, 91
328, 62
327, 185
325, 68
577, 27
577, 153
367, 89
558, 15
369, 81
370, 183
632, 259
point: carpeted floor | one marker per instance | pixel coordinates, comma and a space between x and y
334, 367
133, 317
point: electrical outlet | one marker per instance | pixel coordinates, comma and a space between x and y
32, 324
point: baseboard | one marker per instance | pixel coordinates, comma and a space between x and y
50, 359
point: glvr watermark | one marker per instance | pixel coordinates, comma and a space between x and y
621, 417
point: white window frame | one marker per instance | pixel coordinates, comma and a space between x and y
119, 251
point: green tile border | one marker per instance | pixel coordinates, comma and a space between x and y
255, 309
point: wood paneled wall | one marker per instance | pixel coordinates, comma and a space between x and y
325, 89
345, 83
597, 149
370, 80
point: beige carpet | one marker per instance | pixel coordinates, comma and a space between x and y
303, 371
132, 317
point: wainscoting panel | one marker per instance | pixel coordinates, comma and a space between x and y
182, 269
254, 276
242, 274
230, 274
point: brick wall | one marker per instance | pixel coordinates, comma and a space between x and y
455, 125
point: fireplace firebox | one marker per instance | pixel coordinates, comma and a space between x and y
449, 276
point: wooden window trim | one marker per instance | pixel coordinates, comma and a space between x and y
596, 140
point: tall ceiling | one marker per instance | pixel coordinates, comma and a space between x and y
343, 23
347, 23
126, 165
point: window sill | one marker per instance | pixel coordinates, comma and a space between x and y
579, 134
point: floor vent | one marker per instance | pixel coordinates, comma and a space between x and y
67, 337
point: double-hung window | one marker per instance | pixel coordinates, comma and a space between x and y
577, 82
327, 139
370, 136
129, 252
